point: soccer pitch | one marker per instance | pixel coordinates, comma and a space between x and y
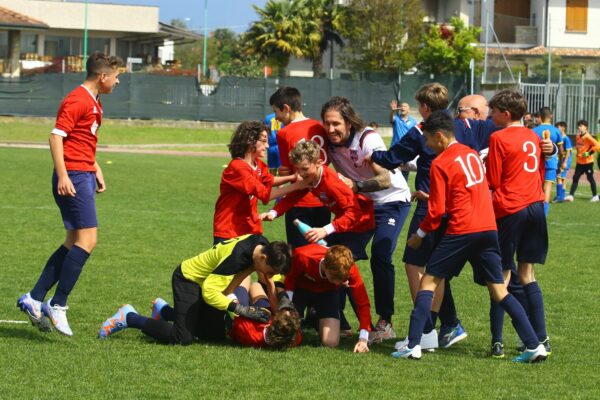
157, 211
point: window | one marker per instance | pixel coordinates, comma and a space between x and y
577, 15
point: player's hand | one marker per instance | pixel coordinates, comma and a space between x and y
65, 187
419, 195
315, 234
100, 184
253, 312
284, 171
285, 303
394, 105
361, 346
586, 153
266, 216
547, 147
414, 241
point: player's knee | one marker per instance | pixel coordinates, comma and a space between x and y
330, 341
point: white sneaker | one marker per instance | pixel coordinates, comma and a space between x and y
58, 317
569, 198
429, 342
405, 352
595, 199
33, 309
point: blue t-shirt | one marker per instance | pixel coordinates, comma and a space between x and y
400, 127
273, 152
554, 134
566, 146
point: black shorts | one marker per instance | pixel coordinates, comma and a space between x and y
326, 304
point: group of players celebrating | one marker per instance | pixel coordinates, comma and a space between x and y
479, 195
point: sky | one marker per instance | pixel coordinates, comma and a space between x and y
233, 14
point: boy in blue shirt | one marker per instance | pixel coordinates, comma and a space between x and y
561, 179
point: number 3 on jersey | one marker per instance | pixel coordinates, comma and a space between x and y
473, 169
531, 150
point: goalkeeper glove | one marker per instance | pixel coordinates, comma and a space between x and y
252, 312
284, 301
586, 153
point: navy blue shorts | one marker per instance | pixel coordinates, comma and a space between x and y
524, 233
480, 249
421, 256
326, 304
356, 241
78, 212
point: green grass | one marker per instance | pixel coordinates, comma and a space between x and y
158, 210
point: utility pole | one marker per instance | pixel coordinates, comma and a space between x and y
205, 38
85, 31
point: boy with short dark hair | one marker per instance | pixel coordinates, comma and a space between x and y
586, 146
76, 178
459, 189
287, 105
515, 172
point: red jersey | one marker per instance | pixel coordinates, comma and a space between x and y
236, 211
248, 332
306, 274
459, 188
77, 121
288, 136
515, 169
353, 212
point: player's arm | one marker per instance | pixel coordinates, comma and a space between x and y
393, 110
363, 308
494, 165
402, 152
592, 143
345, 199
65, 186
101, 185
284, 205
382, 180
436, 208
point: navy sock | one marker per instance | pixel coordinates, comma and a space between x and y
167, 313
447, 312
496, 321
419, 317
520, 321
560, 192
536, 309
50, 274
134, 320
71, 269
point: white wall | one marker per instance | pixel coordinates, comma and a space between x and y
558, 35
105, 17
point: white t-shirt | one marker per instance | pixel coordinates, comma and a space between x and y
349, 160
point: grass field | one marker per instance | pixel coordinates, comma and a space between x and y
158, 210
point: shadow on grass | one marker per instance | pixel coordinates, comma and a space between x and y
23, 331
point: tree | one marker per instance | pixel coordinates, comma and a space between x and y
449, 49
539, 69
383, 35
279, 34
325, 17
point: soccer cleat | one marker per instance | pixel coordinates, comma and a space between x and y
531, 356
547, 346
157, 306
497, 350
58, 316
383, 331
33, 309
569, 198
595, 199
452, 336
117, 322
429, 342
405, 352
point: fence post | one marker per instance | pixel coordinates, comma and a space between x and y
581, 99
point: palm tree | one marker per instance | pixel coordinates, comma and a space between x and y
325, 18
279, 34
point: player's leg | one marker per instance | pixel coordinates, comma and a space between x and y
327, 310
589, 173
389, 219
579, 170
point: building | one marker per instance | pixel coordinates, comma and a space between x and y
51, 31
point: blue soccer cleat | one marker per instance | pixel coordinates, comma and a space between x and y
531, 356
451, 335
157, 306
406, 352
33, 309
117, 322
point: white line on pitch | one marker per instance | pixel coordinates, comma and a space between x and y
8, 321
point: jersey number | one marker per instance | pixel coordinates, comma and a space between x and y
531, 150
472, 168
